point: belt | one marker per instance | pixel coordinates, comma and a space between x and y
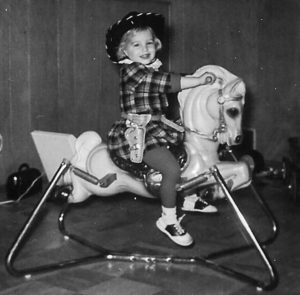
132, 117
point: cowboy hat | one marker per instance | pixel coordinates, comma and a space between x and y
130, 21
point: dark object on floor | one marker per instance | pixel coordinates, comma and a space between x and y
60, 194
26, 180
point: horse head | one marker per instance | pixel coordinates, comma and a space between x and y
214, 111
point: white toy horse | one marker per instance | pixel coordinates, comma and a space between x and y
211, 115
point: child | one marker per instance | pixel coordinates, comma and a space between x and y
143, 133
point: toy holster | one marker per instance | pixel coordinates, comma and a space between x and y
135, 135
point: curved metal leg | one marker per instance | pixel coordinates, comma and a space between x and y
268, 240
28, 225
67, 235
274, 225
105, 254
271, 270
25, 232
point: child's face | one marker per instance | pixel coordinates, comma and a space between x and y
141, 47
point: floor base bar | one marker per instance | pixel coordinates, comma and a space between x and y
108, 255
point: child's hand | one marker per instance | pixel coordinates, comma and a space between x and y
208, 78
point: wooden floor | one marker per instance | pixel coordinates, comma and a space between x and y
127, 223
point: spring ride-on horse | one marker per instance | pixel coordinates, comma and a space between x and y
210, 115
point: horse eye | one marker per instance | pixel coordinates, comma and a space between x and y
233, 112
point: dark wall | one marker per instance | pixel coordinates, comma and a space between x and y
55, 75
276, 101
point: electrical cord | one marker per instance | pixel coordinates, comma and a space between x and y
24, 194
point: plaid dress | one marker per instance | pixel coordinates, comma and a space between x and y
142, 91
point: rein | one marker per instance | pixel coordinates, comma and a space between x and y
213, 136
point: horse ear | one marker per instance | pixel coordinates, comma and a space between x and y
238, 88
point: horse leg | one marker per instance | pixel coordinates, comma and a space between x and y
79, 192
84, 144
237, 176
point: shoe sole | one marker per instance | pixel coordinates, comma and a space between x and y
161, 228
199, 211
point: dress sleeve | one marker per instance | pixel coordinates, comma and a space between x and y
175, 83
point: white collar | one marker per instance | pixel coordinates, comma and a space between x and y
155, 65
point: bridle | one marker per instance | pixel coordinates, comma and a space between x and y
222, 128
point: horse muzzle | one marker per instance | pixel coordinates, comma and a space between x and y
231, 140
238, 139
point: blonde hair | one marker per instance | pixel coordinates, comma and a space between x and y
120, 50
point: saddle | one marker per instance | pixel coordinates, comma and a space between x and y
141, 170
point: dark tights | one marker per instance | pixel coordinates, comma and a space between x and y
162, 159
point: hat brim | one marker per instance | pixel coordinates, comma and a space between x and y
130, 21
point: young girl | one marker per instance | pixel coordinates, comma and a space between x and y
143, 133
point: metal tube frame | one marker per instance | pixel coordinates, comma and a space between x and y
268, 240
106, 254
